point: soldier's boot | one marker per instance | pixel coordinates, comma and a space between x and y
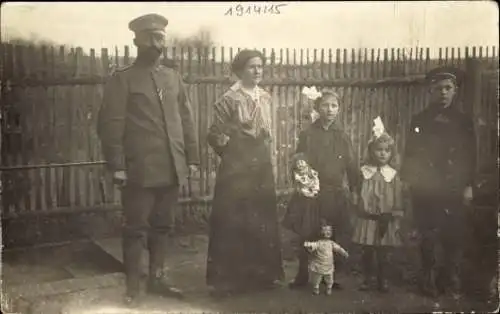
132, 254
158, 283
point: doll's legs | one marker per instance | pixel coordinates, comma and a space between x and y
315, 279
329, 281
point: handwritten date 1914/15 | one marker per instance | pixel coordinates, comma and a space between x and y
254, 9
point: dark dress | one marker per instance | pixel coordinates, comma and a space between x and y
244, 246
302, 216
329, 152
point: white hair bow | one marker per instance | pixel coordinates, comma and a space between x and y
378, 127
311, 92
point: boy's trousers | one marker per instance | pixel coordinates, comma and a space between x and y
443, 229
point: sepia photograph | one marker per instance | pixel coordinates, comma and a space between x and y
249, 157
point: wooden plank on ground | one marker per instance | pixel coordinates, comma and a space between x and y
36, 290
113, 247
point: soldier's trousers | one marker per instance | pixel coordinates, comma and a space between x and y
149, 222
442, 226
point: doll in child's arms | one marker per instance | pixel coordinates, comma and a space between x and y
305, 178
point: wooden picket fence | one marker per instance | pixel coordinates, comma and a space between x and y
52, 162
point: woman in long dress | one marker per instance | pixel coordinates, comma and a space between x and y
244, 248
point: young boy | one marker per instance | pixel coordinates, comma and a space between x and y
329, 151
439, 165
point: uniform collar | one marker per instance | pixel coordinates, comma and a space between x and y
386, 171
148, 65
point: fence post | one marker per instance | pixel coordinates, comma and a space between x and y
472, 91
472, 84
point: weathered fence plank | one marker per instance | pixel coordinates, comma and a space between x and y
50, 110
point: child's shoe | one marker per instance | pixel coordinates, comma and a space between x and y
328, 291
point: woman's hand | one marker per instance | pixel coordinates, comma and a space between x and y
222, 140
194, 171
468, 195
354, 198
120, 178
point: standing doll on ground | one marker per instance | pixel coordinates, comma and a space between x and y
321, 262
380, 209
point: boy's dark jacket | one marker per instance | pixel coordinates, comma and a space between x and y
440, 152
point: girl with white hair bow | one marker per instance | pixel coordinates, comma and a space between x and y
380, 208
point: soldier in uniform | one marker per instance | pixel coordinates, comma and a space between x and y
439, 167
149, 142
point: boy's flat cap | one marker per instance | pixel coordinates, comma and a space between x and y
445, 72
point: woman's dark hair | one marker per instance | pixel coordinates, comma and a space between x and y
386, 139
242, 58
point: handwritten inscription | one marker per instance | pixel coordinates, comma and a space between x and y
255, 9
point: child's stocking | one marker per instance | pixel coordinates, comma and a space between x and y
367, 267
382, 269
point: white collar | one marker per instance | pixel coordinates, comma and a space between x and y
254, 93
386, 171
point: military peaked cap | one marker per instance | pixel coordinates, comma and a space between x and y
445, 72
148, 22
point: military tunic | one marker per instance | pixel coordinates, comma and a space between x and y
146, 126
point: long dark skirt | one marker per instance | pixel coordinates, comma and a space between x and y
244, 248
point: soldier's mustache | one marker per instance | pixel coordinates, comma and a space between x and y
152, 52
